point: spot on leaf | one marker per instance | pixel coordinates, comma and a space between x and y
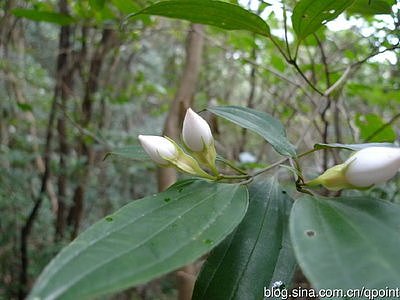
310, 233
208, 241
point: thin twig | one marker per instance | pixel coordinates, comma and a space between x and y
286, 31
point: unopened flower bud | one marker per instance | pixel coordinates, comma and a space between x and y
158, 148
372, 165
196, 132
166, 152
369, 166
197, 137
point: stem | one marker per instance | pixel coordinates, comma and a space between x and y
270, 167
286, 31
282, 161
232, 166
296, 66
249, 177
223, 176
307, 152
279, 48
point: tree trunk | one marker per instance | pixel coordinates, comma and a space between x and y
64, 86
84, 149
27, 228
172, 128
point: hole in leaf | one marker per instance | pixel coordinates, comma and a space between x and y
208, 241
332, 11
284, 192
310, 233
109, 219
167, 199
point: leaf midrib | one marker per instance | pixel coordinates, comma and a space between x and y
203, 229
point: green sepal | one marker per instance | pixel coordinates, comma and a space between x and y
206, 157
335, 178
186, 163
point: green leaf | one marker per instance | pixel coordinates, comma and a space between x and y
217, 13
131, 152
347, 243
143, 240
309, 15
353, 147
97, 4
126, 6
43, 16
374, 129
258, 253
262, 123
370, 7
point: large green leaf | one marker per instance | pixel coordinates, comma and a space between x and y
353, 147
144, 239
216, 13
43, 16
262, 123
347, 243
371, 7
309, 15
258, 253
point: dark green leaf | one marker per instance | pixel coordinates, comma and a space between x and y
143, 240
309, 15
131, 152
217, 13
260, 122
258, 253
43, 16
97, 4
354, 147
347, 243
370, 7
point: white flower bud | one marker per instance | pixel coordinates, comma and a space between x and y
196, 132
158, 148
369, 166
372, 165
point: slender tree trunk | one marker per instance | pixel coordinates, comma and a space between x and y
27, 228
183, 100
76, 212
65, 87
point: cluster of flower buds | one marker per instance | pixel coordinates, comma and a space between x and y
199, 144
367, 167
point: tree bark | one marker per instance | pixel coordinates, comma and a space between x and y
173, 123
64, 86
84, 149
